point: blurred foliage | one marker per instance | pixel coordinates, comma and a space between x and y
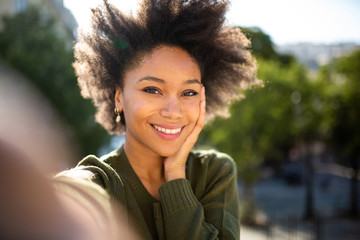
31, 42
271, 119
262, 46
346, 133
289, 109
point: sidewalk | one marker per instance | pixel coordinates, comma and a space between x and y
283, 205
336, 229
247, 233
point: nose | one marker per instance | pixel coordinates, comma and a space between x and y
171, 108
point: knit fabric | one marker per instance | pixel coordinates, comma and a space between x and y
205, 205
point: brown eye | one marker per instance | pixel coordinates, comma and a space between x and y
190, 93
151, 90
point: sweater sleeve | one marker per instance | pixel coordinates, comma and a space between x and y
214, 215
91, 206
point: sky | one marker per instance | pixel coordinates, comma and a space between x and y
286, 21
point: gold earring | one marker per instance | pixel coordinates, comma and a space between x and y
117, 112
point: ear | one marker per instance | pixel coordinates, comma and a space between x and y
118, 98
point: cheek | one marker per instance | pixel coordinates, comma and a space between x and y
135, 108
192, 110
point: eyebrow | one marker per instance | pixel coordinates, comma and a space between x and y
159, 80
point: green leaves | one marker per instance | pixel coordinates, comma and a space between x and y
289, 109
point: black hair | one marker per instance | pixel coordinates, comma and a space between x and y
118, 40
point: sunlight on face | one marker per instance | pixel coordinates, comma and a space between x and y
160, 100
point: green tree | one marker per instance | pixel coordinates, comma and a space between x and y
262, 126
289, 110
263, 47
347, 129
32, 44
344, 75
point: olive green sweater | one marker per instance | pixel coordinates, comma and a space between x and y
202, 206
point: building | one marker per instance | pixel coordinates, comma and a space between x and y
315, 55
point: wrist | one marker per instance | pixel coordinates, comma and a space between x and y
174, 174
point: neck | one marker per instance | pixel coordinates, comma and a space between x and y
146, 163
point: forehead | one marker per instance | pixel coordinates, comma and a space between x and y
170, 53
173, 64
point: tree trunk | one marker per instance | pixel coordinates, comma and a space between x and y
309, 185
354, 207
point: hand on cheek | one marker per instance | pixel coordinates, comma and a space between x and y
174, 166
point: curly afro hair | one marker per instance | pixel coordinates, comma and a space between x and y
118, 41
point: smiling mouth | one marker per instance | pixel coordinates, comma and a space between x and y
165, 130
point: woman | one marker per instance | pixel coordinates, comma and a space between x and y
153, 69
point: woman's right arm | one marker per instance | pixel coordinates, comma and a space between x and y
84, 195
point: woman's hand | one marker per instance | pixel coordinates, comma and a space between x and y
174, 166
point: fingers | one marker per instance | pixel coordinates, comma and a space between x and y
202, 108
201, 120
193, 136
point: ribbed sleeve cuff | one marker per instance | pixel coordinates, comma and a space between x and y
177, 196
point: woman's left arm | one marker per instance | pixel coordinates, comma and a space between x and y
215, 215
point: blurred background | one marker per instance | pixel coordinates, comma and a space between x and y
296, 139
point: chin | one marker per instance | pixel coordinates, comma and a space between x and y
166, 152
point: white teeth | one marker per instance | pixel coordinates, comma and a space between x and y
167, 131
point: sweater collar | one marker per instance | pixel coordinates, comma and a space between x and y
122, 165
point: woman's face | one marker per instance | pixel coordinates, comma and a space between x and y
161, 100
